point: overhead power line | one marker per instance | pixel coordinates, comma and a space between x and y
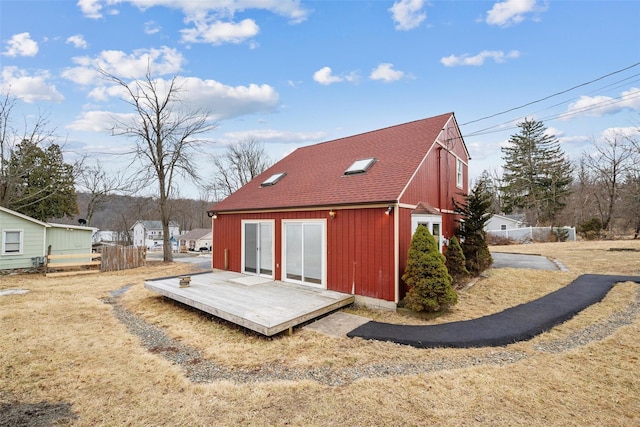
553, 95
602, 104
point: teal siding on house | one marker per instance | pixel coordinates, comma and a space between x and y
33, 235
69, 240
37, 236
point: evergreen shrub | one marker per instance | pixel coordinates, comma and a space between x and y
456, 264
427, 276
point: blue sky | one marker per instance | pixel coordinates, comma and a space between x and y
292, 73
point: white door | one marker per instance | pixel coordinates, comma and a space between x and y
304, 252
257, 242
433, 224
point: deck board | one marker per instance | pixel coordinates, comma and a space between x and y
267, 308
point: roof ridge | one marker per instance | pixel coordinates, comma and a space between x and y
374, 131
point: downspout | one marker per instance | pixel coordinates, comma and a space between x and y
396, 250
440, 178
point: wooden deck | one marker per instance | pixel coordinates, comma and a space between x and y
262, 305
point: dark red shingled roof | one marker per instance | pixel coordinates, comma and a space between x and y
315, 173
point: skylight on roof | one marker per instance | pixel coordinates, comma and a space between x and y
360, 166
273, 179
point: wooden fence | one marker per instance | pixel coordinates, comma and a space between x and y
71, 264
116, 258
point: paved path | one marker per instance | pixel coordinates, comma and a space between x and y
518, 323
537, 262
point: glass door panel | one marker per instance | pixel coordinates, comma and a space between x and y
265, 249
312, 254
250, 247
258, 248
294, 251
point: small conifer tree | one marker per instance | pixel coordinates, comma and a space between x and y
474, 212
456, 263
426, 275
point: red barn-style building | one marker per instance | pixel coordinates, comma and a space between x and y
340, 215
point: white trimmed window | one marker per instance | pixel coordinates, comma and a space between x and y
459, 173
12, 242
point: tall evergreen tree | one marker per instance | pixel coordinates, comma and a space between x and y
537, 175
44, 185
474, 213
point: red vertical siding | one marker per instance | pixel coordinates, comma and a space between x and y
360, 253
434, 183
435, 180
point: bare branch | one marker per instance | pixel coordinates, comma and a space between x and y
167, 135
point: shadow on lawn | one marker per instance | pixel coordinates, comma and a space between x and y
35, 414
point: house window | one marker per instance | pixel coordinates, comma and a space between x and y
459, 173
12, 242
360, 166
503, 226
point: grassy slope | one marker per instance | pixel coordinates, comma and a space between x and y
60, 343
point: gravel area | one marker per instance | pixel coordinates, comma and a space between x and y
200, 370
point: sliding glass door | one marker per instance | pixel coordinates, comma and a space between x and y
257, 250
304, 248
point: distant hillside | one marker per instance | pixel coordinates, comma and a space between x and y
119, 213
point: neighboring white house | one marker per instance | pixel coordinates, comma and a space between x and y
195, 240
149, 233
504, 222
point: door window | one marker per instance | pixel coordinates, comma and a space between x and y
258, 248
304, 247
433, 224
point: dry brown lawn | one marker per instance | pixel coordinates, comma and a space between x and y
61, 344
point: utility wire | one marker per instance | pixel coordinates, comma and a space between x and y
601, 104
553, 95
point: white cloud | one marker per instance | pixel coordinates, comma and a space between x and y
275, 136
386, 72
213, 20
21, 45
325, 76
407, 14
497, 55
220, 100
160, 61
104, 93
512, 12
220, 32
151, 27
603, 105
29, 88
98, 121
225, 101
91, 8
625, 132
551, 131
78, 41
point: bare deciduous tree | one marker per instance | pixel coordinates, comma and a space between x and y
167, 135
99, 185
239, 164
613, 159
